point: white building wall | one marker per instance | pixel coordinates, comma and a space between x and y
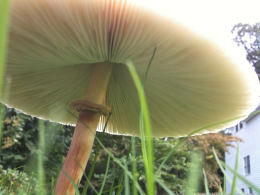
250, 134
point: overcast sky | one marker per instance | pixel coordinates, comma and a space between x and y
209, 15
212, 18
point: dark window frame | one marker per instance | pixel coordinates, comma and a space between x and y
239, 126
247, 166
250, 190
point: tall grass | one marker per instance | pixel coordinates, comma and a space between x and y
105, 176
234, 182
134, 170
147, 136
205, 182
194, 174
4, 15
41, 154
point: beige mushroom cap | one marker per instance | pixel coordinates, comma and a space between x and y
191, 83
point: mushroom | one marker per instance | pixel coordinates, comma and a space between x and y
73, 52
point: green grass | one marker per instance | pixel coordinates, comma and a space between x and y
242, 178
134, 171
41, 154
105, 176
206, 183
73, 183
234, 182
194, 174
126, 184
4, 15
147, 133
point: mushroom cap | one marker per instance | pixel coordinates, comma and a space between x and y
191, 83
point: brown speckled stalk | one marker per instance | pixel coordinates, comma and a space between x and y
85, 131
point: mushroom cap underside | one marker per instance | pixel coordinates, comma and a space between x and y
191, 82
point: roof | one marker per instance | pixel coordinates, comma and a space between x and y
255, 113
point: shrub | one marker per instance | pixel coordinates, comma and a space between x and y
13, 181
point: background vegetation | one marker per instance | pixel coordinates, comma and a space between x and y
20, 148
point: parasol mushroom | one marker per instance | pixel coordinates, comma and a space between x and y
72, 52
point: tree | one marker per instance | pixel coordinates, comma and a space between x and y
205, 144
248, 36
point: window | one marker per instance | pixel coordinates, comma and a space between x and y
250, 191
239, 127
247, 165
242, 189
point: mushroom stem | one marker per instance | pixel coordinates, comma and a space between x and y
78, 154
84, 133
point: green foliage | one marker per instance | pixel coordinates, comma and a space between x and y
173, 172
20, 149
12, 181
20, 144
248, 36
204, 144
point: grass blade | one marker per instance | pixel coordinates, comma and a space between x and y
233, 188
73, 183
248, 183
148, 66
147, 129
141, 120
87, 180
4, 22
121, 165
164, 186
112, 187
41, 152
4, 16
225, 183
90, 184
194, 175
206, 183
127, 188
120, 183
105, 176
143, 142
134, 171
223, 170
2, 115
